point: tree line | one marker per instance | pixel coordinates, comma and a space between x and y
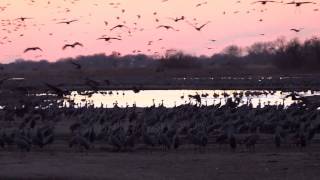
280, 54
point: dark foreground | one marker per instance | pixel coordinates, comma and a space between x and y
186, 142
183, 164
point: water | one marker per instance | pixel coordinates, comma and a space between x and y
171, 98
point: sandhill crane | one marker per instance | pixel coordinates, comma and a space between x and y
167, 27
198, 138
23, 18
200, 27
178, 19
57, 90
233, 142
277, 136
22, 142
43, 137
135, 89
92, 84
109, 38
77, 65
67, 22
296, 30
200, 4
252, 140
265, 2
298, 4
72, 45
79, 141
32, 49
119, 26
176, 141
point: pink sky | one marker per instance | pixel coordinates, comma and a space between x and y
242, 28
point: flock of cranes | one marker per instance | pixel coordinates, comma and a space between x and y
128, 129
239, 127
127, 28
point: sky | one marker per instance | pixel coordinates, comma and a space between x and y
230, 22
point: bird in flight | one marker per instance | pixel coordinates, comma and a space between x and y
23, 18
32, 49
296, 30
265, 2
167, 27
67, 22
77, 65
72, 45
200, 27
57, 90
109, 38
119, 26
200, 4
178, 19
298, 4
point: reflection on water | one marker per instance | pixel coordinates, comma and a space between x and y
171, 98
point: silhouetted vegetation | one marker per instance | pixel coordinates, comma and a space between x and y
280, 54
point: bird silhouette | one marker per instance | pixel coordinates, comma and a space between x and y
67, 22
119, 26
23, 18
109, 38
265, 2
72, 45
200, 27
200, 4
77, 66
178, 19
57, 90
298, 4
32, 49
296, 30
167, 27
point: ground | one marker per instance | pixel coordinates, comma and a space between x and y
184, 164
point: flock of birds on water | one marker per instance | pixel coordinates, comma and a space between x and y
239, 127
19, 24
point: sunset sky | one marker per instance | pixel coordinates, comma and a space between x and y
239, 25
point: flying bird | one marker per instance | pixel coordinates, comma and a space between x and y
67, 22
166, 27
23, 18
109, 38
57, 90
119, 26
32, 49
200, 4
72, 45
265, 2
298, 4
178, 19
296, 30
77, 66
200, 27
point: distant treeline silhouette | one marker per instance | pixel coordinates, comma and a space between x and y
279, 54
